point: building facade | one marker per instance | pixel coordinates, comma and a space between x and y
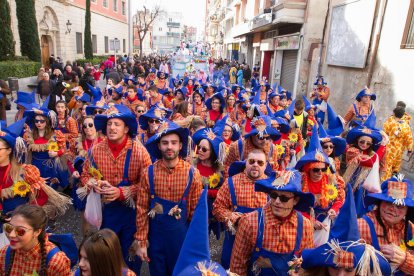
61, 25
166, 32
147, 41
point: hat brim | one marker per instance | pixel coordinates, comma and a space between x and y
357, 132
309, 157
152, 143
90, 109
338, 142
216, 269
216, 95
273, 133
130, 121
374, 198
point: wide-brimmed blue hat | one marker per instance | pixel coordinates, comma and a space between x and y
195, 257
90, 109
134, 81
366, 129
30, 114
96, 93
243, 97
12, 136
26, 99
206, 85
323, 82
344, 248
365, 92
117, 90
167, 127
83, 98
154, 113
338, 142
284, 126
120, 112
335, 123
397, 190
262, 125
215, 141
287, 181
175, 81
219, 96
199, 91
182, 89
219, 128
314, 152
274, 94
235, 86
159, 75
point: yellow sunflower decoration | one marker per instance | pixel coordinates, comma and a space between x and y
293, 137
214, 180
21, 188
280, 149
331, 192
95, 173
53, 146
411, 242
403, 246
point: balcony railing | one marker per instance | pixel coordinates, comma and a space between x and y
261, 20
173, 24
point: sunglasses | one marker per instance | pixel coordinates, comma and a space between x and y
140, 111
40, 121
316, 170
203, 149
90, 125
98, 111
259, 162
19, 230
328, 147
152, 121
363, 142
282, 198
263, 138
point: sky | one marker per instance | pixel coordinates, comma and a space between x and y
193, 10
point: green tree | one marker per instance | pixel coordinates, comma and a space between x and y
87, 47
27, 24
7, 44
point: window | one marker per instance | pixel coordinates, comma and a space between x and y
169, 19
115, 5
79, 45
93, 1
123, 45
105, 3
123, 8
160, 29
408, 35
94, 44
106, 42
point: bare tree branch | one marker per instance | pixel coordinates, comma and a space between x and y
144, 21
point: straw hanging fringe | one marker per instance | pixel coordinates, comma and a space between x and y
206, 271
231, 228
59, 201
400, 177
82, 192
53, 118
256, 269
20, 150
364, 264
129, 196
363, 174
190, 146
351, 168
222, 153
157, 210
399, 201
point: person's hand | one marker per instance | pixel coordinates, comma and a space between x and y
75, 174
319, 225
52, 154
394, 254
99, 188
332, 214
111, 193
263, 262
142, 254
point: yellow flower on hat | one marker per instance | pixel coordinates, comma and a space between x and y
21, 188
280, 149
95, 173
331, 192
293, 137
214, 180
53, 146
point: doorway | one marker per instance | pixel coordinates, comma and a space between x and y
45, 46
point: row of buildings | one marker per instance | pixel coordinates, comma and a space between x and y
61, 25
352, 43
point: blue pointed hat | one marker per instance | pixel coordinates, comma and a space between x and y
314, 152
83, 98
134, 81
335, 124
199, 91
338, 142
287, 181
219, 128
96, 93
242, 97
321, 79
12, 136
365, 92
215, 141
366, 129
219, 96
291, 109
117, 90
117, 111
283, 124
344, 248
30, 114
262, 125
194, 257
26, 99
154, 113
167, 127
206, 85
308, 105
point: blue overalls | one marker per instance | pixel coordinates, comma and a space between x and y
48, 169
228, 237
359, 195
375, 242
279, 261
166, 233
358, 117
320, 115
121, 219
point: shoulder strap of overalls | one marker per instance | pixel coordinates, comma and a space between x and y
49, 256
356, 110
232, 192
299, 232
188, 186
240, 146
151, 183
270, 155
91, 160
374, 237
260, 229
193, 106
126, 166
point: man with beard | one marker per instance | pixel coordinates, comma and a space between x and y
155, 98
166, 199
237, 197
114, 169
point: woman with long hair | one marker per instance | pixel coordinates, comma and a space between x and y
100, 254
30, 250
230, 108
180, 111
215, 106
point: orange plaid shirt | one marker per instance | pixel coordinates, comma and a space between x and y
169, 184
394, 234
234, 155
279, 237
199, 110
112, 169
71, 126
245, 195
26, 262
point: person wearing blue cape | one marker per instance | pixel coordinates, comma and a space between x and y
389, 228
270, 240
346, 252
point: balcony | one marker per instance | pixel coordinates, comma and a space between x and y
173, 24
261, 20
289, 11
241, 29
171, 34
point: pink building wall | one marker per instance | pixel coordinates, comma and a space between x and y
97, 7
